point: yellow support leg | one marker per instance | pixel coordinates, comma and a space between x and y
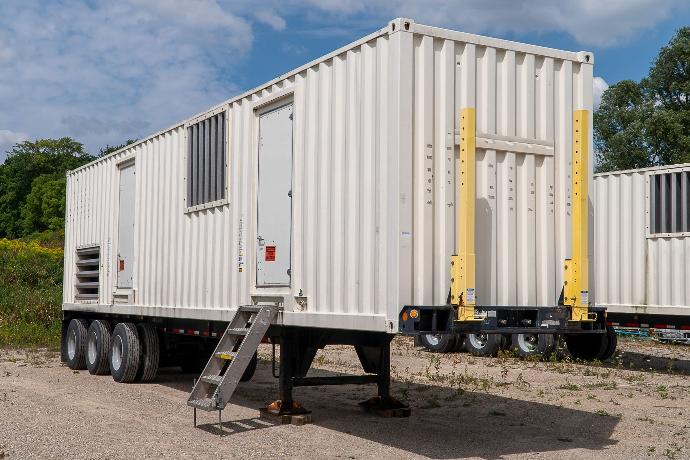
575, 289
462, 265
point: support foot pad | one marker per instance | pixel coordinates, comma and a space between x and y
386, 407
284, 419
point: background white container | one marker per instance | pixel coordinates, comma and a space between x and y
638, 270
373, 191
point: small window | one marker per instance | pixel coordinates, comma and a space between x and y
669, 201
88, 273
206, 169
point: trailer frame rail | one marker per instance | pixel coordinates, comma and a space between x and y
504, 319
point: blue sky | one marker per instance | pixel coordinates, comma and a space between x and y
103, 71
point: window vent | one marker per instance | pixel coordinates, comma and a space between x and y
88, 273
206, 161
669, 202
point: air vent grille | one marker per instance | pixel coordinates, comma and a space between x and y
88, 273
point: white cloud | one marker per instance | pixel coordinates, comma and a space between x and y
599, 86
104, 72
269, 17
590, 22
7, 140
6, 54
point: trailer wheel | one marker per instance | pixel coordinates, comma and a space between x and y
150, 352
251, 368
586, 347
98, 347
483, 344
125, 351
75, 344
611, 343
438, 343
529, 345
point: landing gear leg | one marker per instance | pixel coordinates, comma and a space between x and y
377, 359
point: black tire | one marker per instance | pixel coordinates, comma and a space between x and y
125, 352
586, 347
611, 344
150, 352
531, 345
483, 344
98, 347
438, 343
249, 371
75, 344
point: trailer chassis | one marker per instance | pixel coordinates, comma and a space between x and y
298, 348
440, 319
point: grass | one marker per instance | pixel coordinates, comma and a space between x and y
30, 294
662, 391
569, 386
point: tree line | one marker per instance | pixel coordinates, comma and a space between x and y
32, 184
647, 123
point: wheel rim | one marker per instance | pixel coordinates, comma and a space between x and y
117, 353
528, 342
478, 340
72, 345
93, 340
433, 339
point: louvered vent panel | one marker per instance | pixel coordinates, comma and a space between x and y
88, 262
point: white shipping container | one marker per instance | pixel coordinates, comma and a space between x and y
333, 187
642, 235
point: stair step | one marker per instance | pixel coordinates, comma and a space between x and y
212, 379
228, 355
204, 403
238, 330
235, 362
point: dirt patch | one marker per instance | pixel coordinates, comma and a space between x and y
462, 406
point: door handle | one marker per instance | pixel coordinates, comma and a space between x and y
261, 241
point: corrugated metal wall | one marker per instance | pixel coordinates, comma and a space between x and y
373, 184
636, 268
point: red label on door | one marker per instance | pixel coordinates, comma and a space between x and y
270, 253
122, 265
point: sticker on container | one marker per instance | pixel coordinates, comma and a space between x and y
270, 254
122, 265
584, 297
469, 297
406, 234
240, 245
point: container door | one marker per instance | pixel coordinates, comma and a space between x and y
274, 196
125, 229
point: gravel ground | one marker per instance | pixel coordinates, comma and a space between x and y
462, 406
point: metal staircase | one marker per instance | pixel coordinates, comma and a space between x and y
231, 357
